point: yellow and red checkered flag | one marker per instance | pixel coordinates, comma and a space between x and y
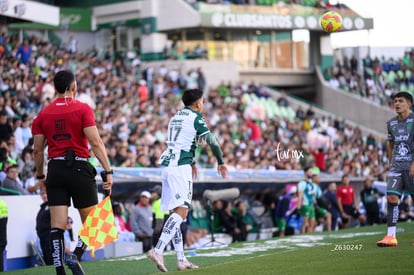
99, 227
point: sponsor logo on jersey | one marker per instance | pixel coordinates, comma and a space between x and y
183, 113
201, 121
177, 121
403, 149
402, 137
394, 174
403, 152
61, 137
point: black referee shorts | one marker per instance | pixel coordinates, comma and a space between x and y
76, 182
351, 210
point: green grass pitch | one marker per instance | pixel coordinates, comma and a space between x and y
351, 251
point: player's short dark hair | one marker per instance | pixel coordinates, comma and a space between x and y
405, 95
306, 169
191, 96
63, 80
14, 166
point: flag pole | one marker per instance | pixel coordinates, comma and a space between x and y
99, 227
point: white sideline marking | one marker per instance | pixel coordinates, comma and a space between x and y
286, 244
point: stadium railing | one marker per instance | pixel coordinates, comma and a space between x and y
8, 191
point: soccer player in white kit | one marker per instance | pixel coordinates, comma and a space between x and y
185, 129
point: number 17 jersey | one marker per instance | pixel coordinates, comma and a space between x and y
184, 130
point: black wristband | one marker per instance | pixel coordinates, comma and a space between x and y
41, 177
111, 172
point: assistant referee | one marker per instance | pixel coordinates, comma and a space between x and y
66, 126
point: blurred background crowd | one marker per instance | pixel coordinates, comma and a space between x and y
132, 101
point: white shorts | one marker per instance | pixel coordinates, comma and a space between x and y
177, 187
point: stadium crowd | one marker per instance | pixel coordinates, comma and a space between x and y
131, 101
379, 79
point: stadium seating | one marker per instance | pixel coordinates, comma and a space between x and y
270, 106
8, 191
387, 73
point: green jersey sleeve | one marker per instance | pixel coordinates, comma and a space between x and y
200, 125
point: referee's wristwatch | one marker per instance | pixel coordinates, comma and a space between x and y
40, 177
110, 172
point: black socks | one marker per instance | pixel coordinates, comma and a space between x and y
57, 245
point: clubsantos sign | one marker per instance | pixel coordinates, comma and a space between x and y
30, 11
276, 21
